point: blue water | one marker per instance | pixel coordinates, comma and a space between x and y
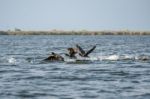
115, 70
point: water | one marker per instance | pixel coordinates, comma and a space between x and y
115, 70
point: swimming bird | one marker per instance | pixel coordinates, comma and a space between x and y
72, 52
54, 57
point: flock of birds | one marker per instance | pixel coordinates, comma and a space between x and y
72, 52
78, 52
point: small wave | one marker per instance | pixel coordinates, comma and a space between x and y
80, 60
70, 60
109, 58
8, 60
17, 60
113, 57
124, 57
12, 60
93, 59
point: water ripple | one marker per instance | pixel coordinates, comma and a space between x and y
119, 68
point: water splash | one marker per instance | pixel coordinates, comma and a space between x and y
109, 58
12, 60
119, 57
15, 60
113, 57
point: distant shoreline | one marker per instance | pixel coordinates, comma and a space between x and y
83, 32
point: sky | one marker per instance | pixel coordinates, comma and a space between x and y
75, 14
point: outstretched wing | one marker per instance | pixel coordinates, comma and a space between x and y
82, 52
67, 54
89, 51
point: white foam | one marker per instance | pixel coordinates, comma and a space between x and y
12, 60
93, 58
113, 57
128, 57
70, 60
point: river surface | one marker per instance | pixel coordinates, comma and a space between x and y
119, 68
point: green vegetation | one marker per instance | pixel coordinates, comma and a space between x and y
83, 32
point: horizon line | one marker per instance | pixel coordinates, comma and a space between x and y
92, 30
